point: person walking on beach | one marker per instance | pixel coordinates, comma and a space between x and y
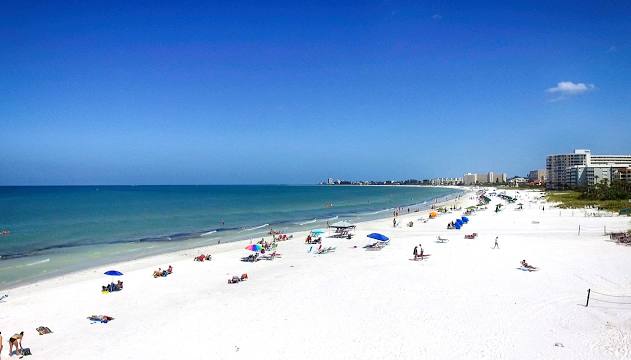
394, 222
415, 252
16, 340
496, 246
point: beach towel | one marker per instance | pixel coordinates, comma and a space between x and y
100, 318
43, 330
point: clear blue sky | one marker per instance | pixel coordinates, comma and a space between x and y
256, 92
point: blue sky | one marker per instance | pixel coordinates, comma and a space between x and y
246, 92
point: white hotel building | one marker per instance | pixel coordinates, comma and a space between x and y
581, 168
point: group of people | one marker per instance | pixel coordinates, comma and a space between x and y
111, 287
281, 237
203, 257
418, 252
15, 341
267, 246
163, 273
235, 279
313, 240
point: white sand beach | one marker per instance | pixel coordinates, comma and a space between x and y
465, 301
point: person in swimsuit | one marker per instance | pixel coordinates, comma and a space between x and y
16, 340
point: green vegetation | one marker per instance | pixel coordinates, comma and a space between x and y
618, 190
572, 199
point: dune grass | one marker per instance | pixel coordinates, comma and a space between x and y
570, 200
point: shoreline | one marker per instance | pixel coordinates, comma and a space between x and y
179, 252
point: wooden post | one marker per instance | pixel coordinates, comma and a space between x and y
587, 303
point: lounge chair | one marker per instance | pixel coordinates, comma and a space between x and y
271, 256
441, 239
376, 246
251, 258
325, 250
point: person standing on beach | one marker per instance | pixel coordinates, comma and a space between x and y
496, 244
415, 252
394, 222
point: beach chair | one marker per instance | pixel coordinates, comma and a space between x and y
326, 250
376, 246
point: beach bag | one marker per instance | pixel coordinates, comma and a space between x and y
26, 351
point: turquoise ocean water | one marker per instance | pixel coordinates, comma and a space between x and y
54, 230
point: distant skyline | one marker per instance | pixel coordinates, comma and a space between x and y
292, 93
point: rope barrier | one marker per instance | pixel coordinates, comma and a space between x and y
596, 292
611, 302
590, 291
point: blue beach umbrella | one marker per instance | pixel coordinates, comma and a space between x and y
317, 231
459, 222
457, 226
113, 273
465, 219
378, 236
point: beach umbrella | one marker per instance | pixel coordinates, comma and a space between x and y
317, 231
254, 247
378, 236
113, 273
341, 224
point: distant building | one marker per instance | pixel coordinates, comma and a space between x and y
446, 181
581, 168
516, 181
537, 177
470, 179
330, 181
484, 178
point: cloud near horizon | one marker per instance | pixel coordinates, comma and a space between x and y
565, 89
